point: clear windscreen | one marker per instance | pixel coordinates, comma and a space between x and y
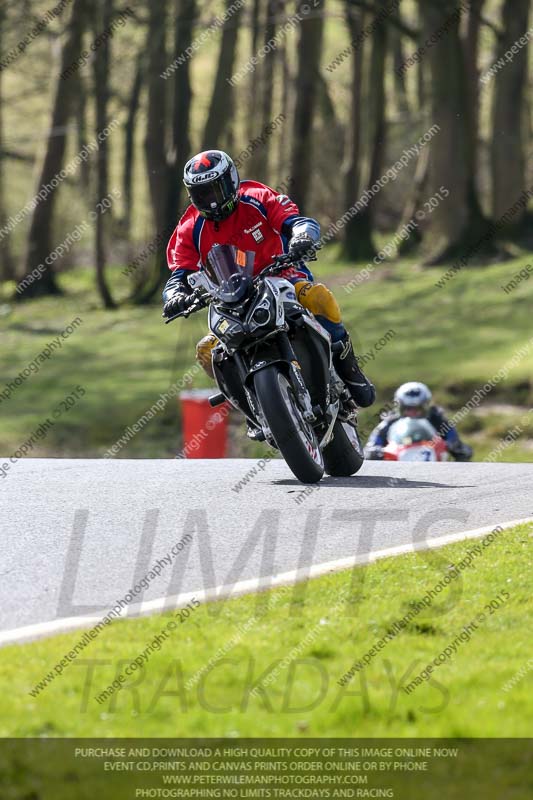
411, 431
229, 271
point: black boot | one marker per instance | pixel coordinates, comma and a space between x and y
460, 451
348, 370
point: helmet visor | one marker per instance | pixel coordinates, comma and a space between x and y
210, 198
413, 411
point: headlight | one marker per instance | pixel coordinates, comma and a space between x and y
261, 316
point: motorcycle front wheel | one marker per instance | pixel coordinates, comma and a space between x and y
294, 437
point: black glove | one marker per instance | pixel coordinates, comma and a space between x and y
301, 245
176, 304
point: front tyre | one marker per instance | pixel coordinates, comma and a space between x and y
343, 456
294, 437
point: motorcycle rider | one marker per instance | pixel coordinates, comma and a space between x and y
254, 217
413, 399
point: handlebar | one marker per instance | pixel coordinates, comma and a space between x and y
198, 299
284, 261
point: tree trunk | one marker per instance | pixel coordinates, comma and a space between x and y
254, 85
421, 89
7, 267
413, 202
309, 53
415, 196
260, 158
40, 233
155, 144
283, 139
102, 19
357, 242
457, 223
509, 119
167, 188
328, 144
186, 12
398, 58
155, 138
421, 75
376, 105
332, 126
129, 143
81, 117
471, 55
221, 106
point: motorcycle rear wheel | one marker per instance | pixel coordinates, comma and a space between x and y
343, 457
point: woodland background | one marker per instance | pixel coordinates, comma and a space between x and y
320, 100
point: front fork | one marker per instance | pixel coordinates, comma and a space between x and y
286, 359
295, 376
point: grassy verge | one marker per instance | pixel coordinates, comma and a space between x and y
305, 641
454, 339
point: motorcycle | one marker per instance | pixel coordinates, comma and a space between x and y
411, 439
273, 363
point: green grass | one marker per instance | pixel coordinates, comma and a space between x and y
454, 339
124, 360
320, 638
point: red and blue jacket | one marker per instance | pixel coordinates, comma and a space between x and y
262, 222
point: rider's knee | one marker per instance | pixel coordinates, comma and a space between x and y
204, 350
318, 299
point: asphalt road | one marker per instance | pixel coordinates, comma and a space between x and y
78, 534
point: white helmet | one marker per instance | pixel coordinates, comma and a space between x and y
412, 396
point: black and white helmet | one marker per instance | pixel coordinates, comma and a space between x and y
412, 397
212, 182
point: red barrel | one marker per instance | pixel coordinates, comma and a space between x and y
205, 429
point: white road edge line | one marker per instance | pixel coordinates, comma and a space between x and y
29, 632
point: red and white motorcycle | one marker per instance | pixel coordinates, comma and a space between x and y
411, 439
